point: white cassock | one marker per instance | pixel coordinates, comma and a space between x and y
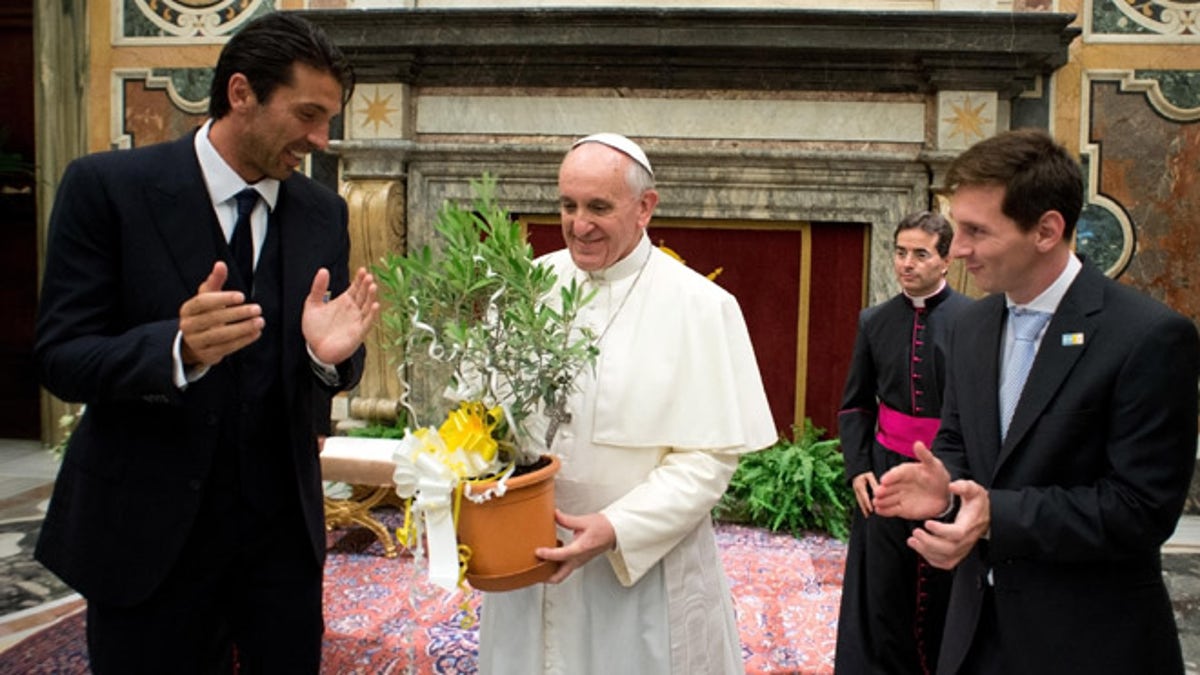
655, 433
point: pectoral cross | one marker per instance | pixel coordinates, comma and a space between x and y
558, 416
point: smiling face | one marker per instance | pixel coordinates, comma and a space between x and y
919, 268
271, 138
602, 216
995, 250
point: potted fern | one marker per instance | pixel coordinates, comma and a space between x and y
794, 486
475, 317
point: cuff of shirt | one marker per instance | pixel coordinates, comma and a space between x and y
180, 375
328, 373
949, 508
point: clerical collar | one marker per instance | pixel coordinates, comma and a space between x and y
931, 299
625, 267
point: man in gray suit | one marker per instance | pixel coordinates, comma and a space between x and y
188, 507
1052, 495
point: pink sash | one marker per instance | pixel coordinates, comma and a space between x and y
897, 431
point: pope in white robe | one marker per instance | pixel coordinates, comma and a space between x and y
653, 438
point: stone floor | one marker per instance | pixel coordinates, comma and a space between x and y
31, 597
1181, 569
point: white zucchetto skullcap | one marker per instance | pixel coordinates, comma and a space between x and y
621, 144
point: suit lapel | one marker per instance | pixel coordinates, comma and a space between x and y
184, 213
296, 243
1060, 349
986, 340
297, 221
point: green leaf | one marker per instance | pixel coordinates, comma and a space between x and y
795, 486
480, 296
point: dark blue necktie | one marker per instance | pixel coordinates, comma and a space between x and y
242, 241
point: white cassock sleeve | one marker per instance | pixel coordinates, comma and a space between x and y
653, 517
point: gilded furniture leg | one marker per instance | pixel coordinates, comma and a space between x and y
357, 511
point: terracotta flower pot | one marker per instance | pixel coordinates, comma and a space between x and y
503, 532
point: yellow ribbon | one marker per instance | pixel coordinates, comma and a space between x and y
457, 453
466, 446
470, 428
464, 557
406, 534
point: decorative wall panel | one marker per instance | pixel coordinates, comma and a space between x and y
1146, 21
162, 104
182, 21
1147, 162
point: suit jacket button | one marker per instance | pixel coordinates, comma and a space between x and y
211, 419
195, 484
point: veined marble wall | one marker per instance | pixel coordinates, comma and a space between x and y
757, 157
853, 155
1129, 102
153, 59
712, 181
744, 132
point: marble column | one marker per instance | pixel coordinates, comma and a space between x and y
61, 52
376, 227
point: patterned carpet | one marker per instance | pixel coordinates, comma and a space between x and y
380, 620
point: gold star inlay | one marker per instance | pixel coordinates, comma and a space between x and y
967, 121
378, 111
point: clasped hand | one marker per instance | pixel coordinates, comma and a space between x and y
216, 323
922, 490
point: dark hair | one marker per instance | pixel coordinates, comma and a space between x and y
265, 51
930, 222
1038, 175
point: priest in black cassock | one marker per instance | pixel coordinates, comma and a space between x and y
893, 601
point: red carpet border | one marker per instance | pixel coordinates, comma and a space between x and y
786, 592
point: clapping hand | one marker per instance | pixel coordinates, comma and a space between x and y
334, 328
944, 545
922, 490
216, 323
914, 490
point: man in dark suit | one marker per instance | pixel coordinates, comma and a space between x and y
188, 508
1066, 486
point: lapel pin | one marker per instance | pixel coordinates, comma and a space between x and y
1072, 339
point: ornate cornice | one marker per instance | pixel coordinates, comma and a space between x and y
800, 50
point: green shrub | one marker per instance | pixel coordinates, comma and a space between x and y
794, 486
394, 429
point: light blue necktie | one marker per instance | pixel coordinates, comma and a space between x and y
1025, 325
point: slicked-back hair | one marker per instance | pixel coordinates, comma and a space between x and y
930, 222
265, 51
1038, 175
